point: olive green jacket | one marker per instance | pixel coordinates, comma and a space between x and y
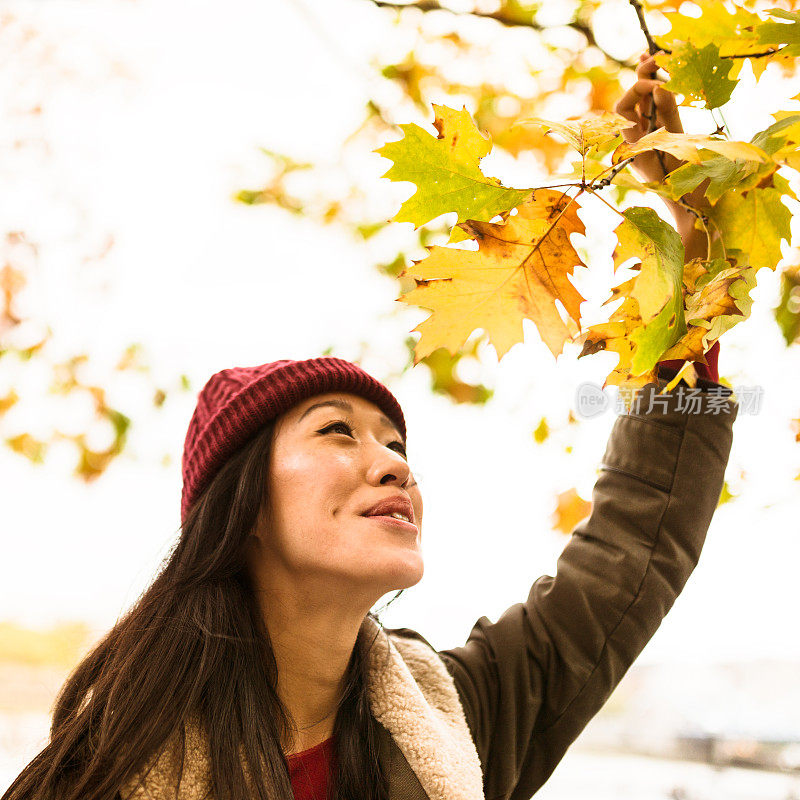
491, 719
529, 683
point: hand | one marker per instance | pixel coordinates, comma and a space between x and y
636, 105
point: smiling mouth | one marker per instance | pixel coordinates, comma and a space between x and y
399, 524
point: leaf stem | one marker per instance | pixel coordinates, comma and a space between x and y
597, 195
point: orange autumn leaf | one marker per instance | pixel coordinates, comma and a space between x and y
571, 508
521, 268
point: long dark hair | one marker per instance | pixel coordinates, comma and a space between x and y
195, 645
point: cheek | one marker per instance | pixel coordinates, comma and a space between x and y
289, 479
416, 501
308, 491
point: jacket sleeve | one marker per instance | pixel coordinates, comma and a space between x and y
530, 682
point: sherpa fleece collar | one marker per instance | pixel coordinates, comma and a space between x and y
411, 694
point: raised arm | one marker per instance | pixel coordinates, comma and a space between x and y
530, 682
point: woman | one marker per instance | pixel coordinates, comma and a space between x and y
253, 667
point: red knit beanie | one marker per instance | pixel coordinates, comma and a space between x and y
236, 403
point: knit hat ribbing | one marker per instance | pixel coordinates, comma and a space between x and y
237, 402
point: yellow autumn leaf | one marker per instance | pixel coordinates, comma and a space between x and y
542, 431
719, 301
584, 133
754, 223
616, 335
725, 495
519, 271
686, 147
732, 32
651, 317
643, 235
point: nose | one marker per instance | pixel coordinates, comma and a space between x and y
388, 466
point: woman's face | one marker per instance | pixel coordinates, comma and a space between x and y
334, 457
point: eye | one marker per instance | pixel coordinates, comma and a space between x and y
398, 446
337, 425
400, 449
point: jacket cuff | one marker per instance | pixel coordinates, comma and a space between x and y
667, 373
646, 441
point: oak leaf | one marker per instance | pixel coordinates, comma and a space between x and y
586, 134
718, 300
686, 147
520, 270
446, 172
698, 73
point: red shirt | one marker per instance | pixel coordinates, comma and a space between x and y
310, 771
710, 372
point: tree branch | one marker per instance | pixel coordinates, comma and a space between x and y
654, 48
651, 43
504, 18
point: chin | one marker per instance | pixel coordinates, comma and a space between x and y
403, 574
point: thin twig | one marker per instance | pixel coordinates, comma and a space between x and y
651, 44
600, 197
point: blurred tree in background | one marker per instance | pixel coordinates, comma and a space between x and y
503, 60
42, 368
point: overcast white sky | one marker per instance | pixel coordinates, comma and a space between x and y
151, 152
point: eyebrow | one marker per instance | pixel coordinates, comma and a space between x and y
345, 406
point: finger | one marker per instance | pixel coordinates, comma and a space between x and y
646, 65
647, 68
628, 110
628, 102
667, 110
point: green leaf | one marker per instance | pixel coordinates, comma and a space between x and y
657, 245
780, 138
732, 32
700, 74
723, 176
658, 288
446, 172
778, 33
753, 222
785, 132
444, 377
655, 337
